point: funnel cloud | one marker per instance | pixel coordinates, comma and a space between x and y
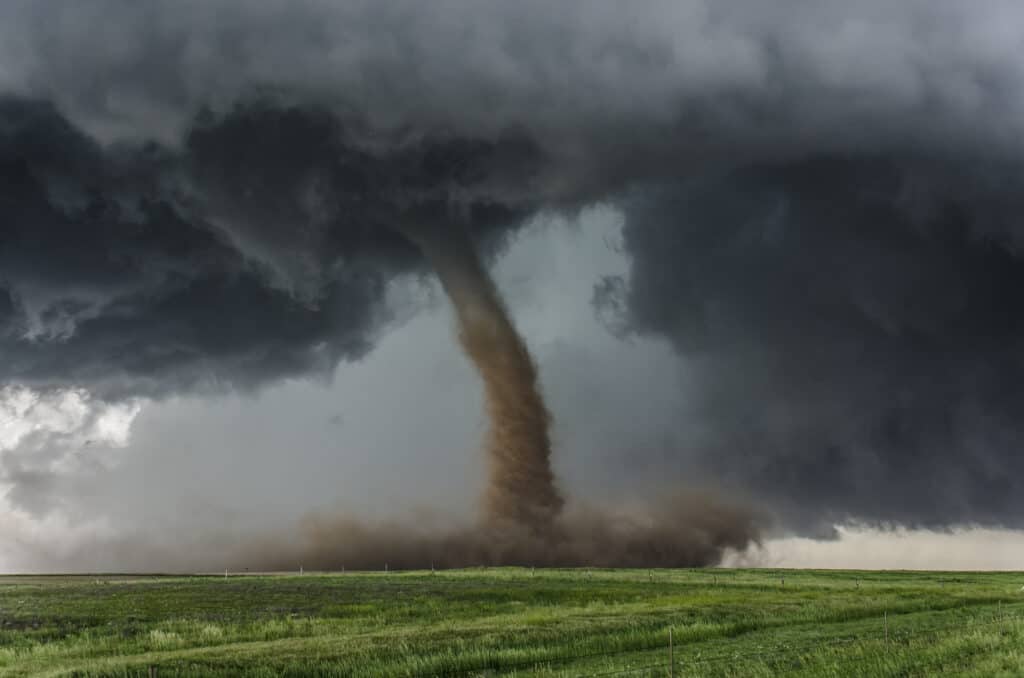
521, 489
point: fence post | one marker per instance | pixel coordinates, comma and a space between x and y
671, 658
885, 621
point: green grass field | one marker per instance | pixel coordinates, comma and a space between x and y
513, 621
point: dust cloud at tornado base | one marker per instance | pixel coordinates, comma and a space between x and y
681, 531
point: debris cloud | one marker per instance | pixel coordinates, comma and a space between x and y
685, 530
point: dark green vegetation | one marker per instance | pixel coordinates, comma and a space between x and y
514, 622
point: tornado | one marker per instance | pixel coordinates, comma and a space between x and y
521, 489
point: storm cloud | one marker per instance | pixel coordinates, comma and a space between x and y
261, 249
820, 209
853, 328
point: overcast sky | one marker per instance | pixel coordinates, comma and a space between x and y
769, 252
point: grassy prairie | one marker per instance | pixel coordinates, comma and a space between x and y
512, 621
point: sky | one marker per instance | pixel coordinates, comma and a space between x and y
768, 253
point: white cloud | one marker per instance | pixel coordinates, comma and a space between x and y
70, 414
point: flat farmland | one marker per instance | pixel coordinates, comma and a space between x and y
516, 622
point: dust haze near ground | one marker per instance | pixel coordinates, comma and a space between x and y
681, 531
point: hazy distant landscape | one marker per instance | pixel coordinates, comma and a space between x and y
515, 621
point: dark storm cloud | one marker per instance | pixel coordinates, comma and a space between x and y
115, 289
855, 328
822, 207
262, 249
